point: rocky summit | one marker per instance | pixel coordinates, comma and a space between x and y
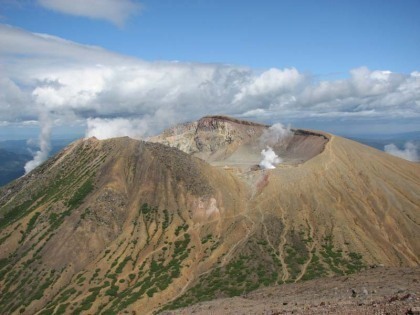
191, 215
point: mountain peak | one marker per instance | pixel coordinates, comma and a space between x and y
211, 119
123, 225
226, 141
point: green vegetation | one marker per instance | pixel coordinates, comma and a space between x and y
242, 275
166, 220
86, 304
23, 280
30, 226
77, 199
17, 212
294, 261
47, 284
157, 278
112, 291
61, 309
248, 272
338, 262
315, 269
26, 290
147, 211
122, 264
207, 238
184, 227
296, 254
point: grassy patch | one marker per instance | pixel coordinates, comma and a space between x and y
158, 277
241, 275
338, 262
78, 197
30, 226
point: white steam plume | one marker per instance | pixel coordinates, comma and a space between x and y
277, 134
410, 151
270, 158
44, 143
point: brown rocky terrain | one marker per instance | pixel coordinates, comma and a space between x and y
122, 225
222, 140
381, 290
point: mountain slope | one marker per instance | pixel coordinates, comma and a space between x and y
126, 225
91, 206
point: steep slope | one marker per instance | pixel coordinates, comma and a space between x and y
348, 207
124, 225
102, 217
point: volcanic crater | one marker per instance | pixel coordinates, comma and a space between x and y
232, 143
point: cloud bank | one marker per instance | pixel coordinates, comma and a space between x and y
66, 78
410, 151
114, 11
118, 95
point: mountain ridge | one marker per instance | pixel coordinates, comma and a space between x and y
117, 225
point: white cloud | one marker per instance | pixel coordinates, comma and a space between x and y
117, 127
115, 11
273, 81
42, 73
410, 151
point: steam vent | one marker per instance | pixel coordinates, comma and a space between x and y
224, 141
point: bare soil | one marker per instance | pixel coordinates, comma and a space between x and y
380, 290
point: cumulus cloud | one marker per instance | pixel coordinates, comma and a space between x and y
117, 127
69, 81
273, 82
410, 151
114, 11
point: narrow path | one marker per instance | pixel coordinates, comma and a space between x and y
226, 257
266, 232
330, 153
282, 244
305, 266
242, 241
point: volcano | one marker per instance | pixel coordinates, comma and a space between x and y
122, 225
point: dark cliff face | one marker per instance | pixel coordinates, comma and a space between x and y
214, 121
221, 139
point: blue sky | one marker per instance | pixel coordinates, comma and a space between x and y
135, 67
322, 37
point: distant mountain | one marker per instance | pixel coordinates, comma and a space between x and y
380, 141
15, 153
404, 136
11, 165
126, 226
